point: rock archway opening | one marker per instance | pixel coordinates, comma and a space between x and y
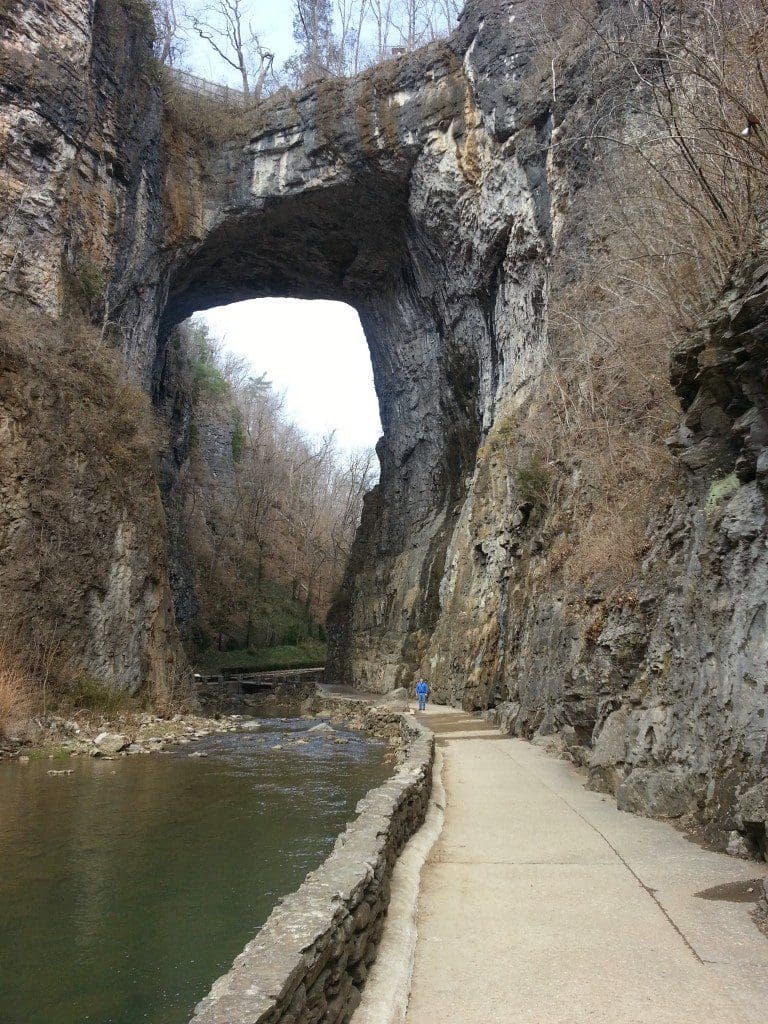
315, 356
276, 427
369, 192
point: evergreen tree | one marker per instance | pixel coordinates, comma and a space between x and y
317, 54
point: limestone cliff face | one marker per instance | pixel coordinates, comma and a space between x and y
431, 194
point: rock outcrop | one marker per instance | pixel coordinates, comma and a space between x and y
431, 194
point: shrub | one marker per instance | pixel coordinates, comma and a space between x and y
16, 688
86, 693
721, 490
92, 283
532, 479
238, 440
205, 120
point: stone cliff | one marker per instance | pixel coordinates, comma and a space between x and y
432, 194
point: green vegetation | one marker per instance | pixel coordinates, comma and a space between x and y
279, 633
208, 378
720, 490
48, 752
307, 654
88, 694
268, 524
141, 9
532, 479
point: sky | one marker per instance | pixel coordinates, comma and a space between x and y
315, 353
274, 22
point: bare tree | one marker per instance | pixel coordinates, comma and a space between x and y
287, 513
224, 26
416, 22
409, 23
317, 56
382, 15
167, 43
351, 20
442, 17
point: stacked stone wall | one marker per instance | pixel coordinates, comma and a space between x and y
310, 960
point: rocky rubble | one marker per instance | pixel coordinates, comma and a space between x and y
140, 733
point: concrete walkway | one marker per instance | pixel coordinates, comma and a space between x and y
541, 903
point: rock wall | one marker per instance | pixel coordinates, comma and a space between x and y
433, 194
310, 960
84, 576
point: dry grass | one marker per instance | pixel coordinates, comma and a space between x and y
675, 201
207, 121
80, 443
600, 423
16, 688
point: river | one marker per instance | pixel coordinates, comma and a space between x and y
128, 886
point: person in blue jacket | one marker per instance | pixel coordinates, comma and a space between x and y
422, 689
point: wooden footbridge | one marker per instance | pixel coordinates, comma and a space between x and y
246, 684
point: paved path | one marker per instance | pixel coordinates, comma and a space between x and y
541, 903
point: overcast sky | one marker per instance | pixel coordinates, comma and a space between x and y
274, 23
314, 352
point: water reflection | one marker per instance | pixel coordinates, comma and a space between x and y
128, 886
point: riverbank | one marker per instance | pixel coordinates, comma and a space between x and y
311, 958
59, 737
86, 733
146, 876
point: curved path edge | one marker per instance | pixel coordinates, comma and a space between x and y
311, 958
388, 986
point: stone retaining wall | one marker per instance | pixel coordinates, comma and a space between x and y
309, 962
761, 912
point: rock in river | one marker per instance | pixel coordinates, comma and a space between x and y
107, 743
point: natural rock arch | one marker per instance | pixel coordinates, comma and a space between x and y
376, 192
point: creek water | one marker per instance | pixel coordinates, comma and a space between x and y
127, 887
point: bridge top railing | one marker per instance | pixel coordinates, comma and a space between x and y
211, 90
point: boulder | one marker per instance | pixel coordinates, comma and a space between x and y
752, 807
109, 743
30, 731
611, 744
399, 693
506, 715
395, 705
738, 846
752, 817
323, 727
744, 515
660, 793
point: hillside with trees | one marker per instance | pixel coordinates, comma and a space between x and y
265, 518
